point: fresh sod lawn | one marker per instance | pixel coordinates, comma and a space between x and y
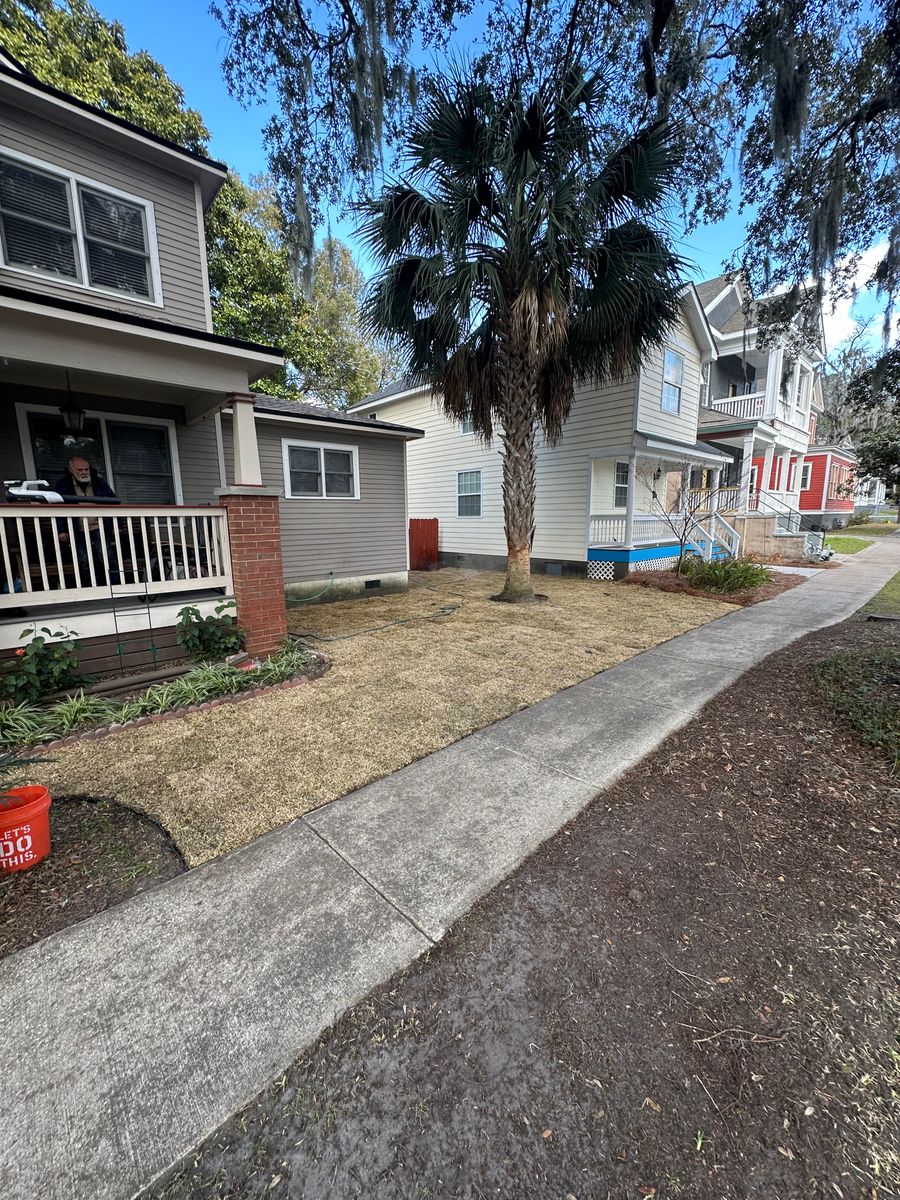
411, 673
887, 601
842, 544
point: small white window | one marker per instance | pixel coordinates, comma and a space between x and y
805, 474
326, 472
468, 494
620, 488
673, 380
467, 424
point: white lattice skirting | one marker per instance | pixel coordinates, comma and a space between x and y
600, 570
654, 564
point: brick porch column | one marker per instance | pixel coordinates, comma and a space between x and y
254, 534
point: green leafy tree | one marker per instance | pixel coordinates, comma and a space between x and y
789, 107
254, 293
357, 366
72, 47
519, 253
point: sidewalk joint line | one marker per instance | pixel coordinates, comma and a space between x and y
369, 883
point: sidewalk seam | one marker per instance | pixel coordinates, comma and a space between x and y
367, 881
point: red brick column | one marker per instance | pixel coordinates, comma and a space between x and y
254, 533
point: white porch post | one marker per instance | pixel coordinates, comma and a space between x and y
784, 471
773, 381
715, 476
629, 504
746, 470
247, 471
766, 481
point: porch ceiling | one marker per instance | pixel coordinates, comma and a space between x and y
114, 357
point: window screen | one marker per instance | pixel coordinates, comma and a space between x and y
673, 378
52, 446
36, 227
141, 462
339, 473
620, 490
468, 494
115, 237
305, 471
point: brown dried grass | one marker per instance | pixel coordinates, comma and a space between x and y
395, 693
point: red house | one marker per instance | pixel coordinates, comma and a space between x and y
827, 486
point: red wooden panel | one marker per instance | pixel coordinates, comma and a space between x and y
423, 543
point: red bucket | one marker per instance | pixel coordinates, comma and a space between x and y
24, 828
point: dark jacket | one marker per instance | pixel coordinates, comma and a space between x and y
66, 485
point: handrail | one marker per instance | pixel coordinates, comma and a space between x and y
57, 553
791, 515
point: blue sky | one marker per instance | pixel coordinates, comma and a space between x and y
189, 43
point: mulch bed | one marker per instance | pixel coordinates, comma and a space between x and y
101, 853
668, 581
686, 993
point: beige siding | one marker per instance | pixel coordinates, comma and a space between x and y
174, 209
680, 427
603, 488
601, 418
352, 538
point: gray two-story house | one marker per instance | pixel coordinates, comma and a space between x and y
108, 355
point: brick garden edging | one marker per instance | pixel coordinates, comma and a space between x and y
315, 671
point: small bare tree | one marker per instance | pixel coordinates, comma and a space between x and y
678, 509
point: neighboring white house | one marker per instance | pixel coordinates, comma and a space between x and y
595, 511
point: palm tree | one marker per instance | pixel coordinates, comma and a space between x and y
517, 257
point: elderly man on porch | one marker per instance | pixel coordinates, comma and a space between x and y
81, 480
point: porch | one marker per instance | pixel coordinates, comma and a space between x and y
639, 513
141, 404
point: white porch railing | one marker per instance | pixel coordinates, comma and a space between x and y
744, 407
57, 554
610, 530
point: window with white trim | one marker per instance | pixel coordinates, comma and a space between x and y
620, 486
468, 493
56, 225
134, 456
467, 424
805, 477
316, 470
673, 381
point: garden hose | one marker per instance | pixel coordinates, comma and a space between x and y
292, 602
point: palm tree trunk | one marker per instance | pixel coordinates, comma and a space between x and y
518, 475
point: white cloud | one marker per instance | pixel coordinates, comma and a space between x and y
841, 323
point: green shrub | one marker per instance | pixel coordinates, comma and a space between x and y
211, 637
860, 518
45, 665
726, 575
862, 685
28, 724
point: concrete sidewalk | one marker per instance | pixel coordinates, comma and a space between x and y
131, 1036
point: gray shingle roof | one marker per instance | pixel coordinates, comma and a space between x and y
710, 288
317, 412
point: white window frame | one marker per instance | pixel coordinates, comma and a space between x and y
73, 181
621, 463
806, 477
22, 411
286, 446
672, 412
480, 494
463, 431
